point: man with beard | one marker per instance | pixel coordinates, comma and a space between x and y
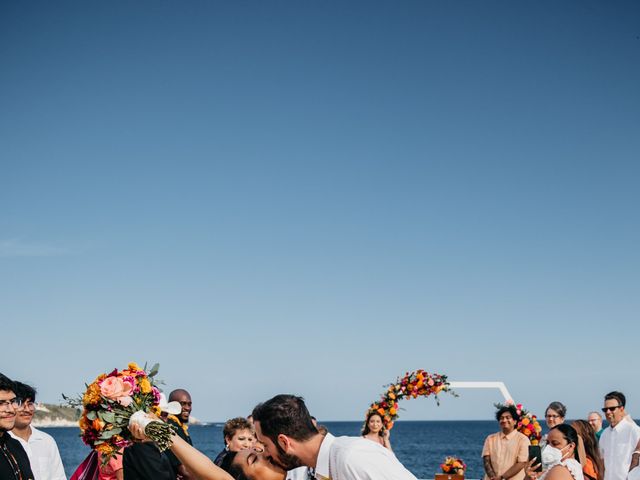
41, 448
180, 424
290, 439
14, 463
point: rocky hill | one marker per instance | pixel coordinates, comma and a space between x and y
48, 415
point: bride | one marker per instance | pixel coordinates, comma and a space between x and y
243, 465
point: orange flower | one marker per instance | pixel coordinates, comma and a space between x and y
381, 411
97, 424
105, 449
84, 423
92, 395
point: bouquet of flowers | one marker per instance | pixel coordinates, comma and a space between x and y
114, 400
453, 465
528, 424
412, 385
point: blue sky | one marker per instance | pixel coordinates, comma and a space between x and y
316, 197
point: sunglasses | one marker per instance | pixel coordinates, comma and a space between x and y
611, 409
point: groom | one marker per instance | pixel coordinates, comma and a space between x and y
284, 426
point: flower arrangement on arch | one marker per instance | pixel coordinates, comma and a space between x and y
528, 424
412, 385
110, 402
453, 465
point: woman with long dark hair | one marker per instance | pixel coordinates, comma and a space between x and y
592, 465
375, 430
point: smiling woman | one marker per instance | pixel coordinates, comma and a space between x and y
251, 465
375, 430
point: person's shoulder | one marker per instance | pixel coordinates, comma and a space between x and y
522, 437
365, 459
559, 472
13, 442
41, 435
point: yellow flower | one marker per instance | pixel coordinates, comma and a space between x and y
133, 366
145, 385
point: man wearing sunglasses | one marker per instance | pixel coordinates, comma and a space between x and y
41, 448
14, 463
619, 439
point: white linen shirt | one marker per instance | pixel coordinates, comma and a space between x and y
616, 446
43, 454
355, 458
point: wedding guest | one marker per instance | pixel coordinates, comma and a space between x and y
595, 420
180, 423
506, 452
375, 430
113, 469
592, 466
284, 426
555, 414
144, 461
619, 439
559, 456
41, 448
238, 435
14, 462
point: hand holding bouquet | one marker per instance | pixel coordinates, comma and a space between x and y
114, 401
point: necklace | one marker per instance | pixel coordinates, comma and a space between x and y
11, 460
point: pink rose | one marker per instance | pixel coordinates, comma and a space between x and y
125, 401
114, 388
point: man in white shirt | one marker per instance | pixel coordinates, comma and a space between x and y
619, 440
284, 426
41, 448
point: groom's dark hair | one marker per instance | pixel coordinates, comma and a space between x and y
287, 415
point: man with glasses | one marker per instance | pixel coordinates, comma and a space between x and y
41, 448
14, 462
619, 439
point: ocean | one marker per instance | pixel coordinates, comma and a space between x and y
420, 446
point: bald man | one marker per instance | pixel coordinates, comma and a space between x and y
180, 425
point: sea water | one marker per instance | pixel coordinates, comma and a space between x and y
420, 446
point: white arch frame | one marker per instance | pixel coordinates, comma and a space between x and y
499, 385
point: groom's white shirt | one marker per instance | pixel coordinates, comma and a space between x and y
355, 458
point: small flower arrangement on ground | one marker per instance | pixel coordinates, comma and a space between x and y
453, 465
528, 424
412, 385
109, 404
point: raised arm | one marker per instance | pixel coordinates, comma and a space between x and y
197, 462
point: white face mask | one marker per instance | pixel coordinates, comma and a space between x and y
551, 456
